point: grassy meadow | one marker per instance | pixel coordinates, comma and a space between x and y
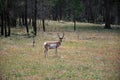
89, 53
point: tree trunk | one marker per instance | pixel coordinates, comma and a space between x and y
107, 14
5, 25
118, 12
74, 20
74, 25
43, 22
30, 20
20, 21
2, 28
8, 18
35, 26
26, 24
23, 19
8, 24
34, 18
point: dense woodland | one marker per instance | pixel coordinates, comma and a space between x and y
27, 12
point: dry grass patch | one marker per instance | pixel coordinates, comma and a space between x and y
90, 53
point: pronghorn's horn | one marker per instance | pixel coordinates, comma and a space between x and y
63, 35
58, 35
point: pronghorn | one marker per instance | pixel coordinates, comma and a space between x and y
53, 44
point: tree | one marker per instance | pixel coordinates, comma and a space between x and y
58, 9
2, 28
5, 20
76, 6
26, 24
2, 2
44, 11
8, 18
70, 10
34, 17
107, 14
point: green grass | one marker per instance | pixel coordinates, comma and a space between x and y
90, 53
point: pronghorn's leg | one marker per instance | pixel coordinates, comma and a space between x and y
46, 51
56, 51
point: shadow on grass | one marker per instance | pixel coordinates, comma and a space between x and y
95, 28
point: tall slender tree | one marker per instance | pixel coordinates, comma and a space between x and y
107, 14
34, 17
2, 28
26, 24
44, 11
8, 18
76, 6
2, 4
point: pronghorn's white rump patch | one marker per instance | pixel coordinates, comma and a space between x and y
45, 43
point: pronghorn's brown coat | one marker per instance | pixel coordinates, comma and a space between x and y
52, 44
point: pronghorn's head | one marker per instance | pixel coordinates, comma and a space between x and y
60, 36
